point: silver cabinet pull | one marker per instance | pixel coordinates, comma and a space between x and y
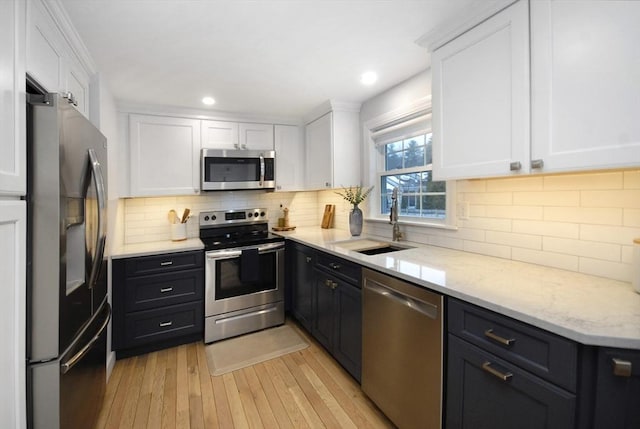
504, 376
334, 266
504, 341
621, 368
164, 264
165, 324
515, 166
166, 289
537, 163
308, 259
327, 184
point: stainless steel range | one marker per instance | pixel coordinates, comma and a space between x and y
244, 273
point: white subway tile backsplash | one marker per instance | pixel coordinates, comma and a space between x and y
553, 229
590, 249
549, 259
609, 180
547, 198
598, 216
580, 222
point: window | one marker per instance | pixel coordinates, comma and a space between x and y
404, 160
407, 165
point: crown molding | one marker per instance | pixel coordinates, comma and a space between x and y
472, 16
331, 106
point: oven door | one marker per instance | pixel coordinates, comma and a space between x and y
244, 277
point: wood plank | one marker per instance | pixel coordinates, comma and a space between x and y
182, 389
117, 407
110, 394
133, 393
343, 419
235, 404
170, 391
284, 412
247, 400
225, 419
312, 394
361, 420
144, 400
305, 407
209, 408
262, 403
196, 417
157, 393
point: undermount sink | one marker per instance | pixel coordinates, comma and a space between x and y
379, 250
370, 247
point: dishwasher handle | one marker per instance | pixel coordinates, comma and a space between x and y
425, 308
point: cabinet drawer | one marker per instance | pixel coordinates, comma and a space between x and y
164, 263
484, 391
151, 326
340, 267
158, 290
547, 355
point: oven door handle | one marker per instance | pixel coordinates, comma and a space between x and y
235, 253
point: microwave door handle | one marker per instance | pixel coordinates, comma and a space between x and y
96, 170
261, 170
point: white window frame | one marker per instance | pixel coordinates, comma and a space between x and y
374, 162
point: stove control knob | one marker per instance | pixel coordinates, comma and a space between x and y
263, 214
257, 214
213, 217
206, 218
250, 214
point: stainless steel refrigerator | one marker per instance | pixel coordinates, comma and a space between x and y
67, 310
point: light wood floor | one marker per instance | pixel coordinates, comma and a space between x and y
172, 388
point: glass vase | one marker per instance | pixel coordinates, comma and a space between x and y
355, 221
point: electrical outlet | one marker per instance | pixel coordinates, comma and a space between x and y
463, 210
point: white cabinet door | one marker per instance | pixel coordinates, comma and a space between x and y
289, 146
256, 136
13, 165
77, 83
585, 89
219, 135
13, 243
481, 99
319, 153
45, 49
165, 155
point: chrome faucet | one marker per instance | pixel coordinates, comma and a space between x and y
393, 218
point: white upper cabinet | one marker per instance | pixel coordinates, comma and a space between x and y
13, 177
289, 146
583, 77
51, 60
481, 99
165, 155
220, 135
333, 154
256, 136
585, 84
236, 136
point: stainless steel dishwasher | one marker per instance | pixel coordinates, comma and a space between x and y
402, 350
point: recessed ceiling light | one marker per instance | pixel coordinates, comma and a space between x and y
208, 101
368, 78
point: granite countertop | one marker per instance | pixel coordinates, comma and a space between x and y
156, 248
587, 309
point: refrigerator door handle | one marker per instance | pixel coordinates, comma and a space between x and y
66, 366
96, 170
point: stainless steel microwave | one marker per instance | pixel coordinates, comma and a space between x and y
237, 169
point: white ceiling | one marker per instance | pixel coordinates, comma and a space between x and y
265, 57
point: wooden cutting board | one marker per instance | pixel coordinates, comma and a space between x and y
327, 217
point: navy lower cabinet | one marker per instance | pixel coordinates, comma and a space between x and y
327, 301
617, 402
503, 374
301, 283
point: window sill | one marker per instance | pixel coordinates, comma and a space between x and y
424, 224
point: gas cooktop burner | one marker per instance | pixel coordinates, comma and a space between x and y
235, 228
